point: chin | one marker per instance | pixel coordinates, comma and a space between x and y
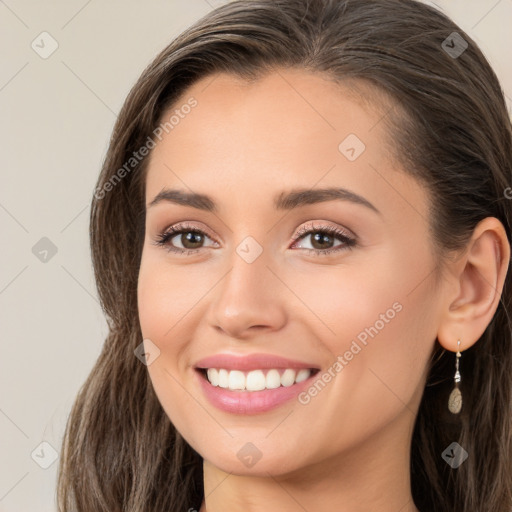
249, 461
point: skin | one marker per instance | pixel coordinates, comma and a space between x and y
348, 448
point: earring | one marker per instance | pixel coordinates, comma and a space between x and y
455, 400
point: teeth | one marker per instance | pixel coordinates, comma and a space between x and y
236, 380
273, 379
223, 378
213, 376
255, 380
302, 375
288, 377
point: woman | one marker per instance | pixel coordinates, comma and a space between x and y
301, 240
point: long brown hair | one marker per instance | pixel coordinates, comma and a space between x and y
451, 130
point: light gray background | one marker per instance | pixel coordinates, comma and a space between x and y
57, 115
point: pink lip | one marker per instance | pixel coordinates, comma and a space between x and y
250, 402
250, 362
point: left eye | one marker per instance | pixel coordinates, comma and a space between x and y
323, 237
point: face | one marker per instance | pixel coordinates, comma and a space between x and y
321, 303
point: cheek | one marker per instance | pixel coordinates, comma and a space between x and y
382, 325
169, 304
165, 296
161, 305
344, 303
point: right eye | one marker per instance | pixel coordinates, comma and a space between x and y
189, 237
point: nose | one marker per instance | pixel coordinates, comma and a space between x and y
248, 300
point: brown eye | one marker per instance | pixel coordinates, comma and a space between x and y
182, 239
323, 239
190, 239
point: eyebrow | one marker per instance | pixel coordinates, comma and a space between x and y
284, 201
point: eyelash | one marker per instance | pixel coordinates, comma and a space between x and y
348, 242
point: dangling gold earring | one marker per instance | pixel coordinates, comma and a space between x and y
455, 400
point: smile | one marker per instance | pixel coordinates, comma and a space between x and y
256, 380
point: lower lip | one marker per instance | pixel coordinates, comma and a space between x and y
250, 402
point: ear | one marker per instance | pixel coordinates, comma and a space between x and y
473, 288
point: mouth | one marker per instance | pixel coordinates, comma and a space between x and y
252, 383
255, 380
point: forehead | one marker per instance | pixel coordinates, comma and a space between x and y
246, 139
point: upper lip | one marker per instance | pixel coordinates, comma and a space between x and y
250, 362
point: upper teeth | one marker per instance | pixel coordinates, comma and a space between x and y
255, 380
